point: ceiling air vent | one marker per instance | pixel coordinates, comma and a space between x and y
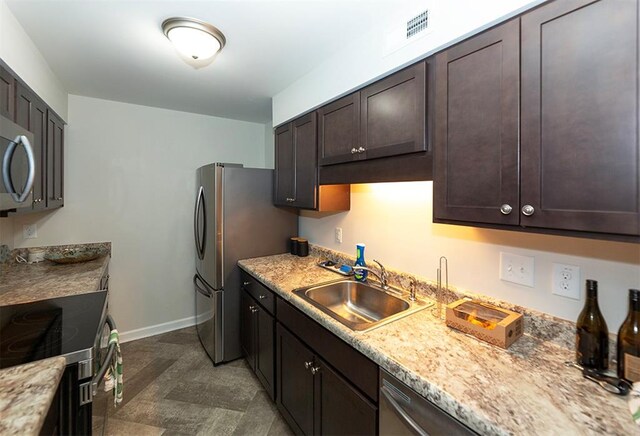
418, 24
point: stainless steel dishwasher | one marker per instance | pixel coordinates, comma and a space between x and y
404, 412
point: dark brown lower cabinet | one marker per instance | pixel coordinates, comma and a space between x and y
315, 399
257, 340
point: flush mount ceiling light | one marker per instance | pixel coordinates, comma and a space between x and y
193, 38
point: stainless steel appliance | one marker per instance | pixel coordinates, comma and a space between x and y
77, 328
234, 219
404, 412
18, 166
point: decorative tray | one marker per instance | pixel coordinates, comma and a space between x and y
74, 255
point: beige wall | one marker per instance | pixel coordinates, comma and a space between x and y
23, 57
394, 220
130, 179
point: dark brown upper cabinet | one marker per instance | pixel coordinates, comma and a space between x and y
579, 145
339, 130
31, 113
387, 118
296, 174
55, 161
7, 94
476, 139
575, 167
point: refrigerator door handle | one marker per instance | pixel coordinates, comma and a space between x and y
199, 238
203, 290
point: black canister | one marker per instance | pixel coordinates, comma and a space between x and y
293, 245
303, 247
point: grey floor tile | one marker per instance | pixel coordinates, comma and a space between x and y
258, 417
117, 427
176, 416
279, 427
213, 395
221, 423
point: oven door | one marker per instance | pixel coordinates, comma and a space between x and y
18, 166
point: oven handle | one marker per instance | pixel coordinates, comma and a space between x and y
401, 413
97, 380
6, 168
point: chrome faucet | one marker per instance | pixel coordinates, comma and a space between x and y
382, 277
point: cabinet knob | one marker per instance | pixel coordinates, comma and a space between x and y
255, 310
262, 297
354, 150
246, 283
528, 210
505, 209
315, 370
308, 364
361, 150
59, 198
252, 308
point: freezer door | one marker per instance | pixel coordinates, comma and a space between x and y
208, 226
209, 318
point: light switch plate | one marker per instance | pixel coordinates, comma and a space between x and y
338, 235
566, 280
29, 231
517, 269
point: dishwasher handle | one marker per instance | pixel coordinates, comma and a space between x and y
401, 413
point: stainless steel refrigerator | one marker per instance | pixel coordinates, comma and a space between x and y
234, 219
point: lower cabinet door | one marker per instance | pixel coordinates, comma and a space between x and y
295, 381
264, 352
340, 408
247, 328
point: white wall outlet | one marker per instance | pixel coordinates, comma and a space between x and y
517, 269
338, 235
566, 280
29, 231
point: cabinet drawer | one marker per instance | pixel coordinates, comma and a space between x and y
258, 291
355, 367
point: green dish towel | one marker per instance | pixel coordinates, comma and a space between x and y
111, 382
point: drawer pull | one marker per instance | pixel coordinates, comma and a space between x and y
262, 297
246, 283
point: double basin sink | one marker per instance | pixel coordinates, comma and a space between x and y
360, 305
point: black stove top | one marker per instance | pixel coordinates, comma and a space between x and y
48, 328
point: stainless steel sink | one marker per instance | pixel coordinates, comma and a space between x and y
360, 306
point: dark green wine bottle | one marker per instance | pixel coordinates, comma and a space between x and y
629, 340
592, 334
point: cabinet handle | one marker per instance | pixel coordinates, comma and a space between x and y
308, 365
252, 308
528, 210
262, 297
505, 209
315, 370
255, 309
354, 150
246, 283
361, 150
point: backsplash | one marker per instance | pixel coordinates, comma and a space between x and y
536, 324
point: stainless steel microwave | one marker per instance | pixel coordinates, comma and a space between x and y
18, 166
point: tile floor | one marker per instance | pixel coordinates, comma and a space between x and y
172, 388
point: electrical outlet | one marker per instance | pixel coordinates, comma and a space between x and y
29, 231
338, 235
517, 269
566, 280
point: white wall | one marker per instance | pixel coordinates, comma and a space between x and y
130, 179
366, 59
23, 57
394, 220
269, 146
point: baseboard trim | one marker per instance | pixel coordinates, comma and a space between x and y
157, 329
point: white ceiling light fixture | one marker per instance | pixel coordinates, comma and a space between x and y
193, 38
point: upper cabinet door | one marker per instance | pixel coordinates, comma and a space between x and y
55, 161
476, 128
31, 113
285, 172
580, 157
393, 114
306, 170
339, 130
7, 94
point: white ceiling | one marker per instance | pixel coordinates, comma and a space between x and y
116, 50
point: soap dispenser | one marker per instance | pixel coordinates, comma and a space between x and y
360, 275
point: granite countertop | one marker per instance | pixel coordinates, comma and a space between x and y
23, 283
26, 392
526, 389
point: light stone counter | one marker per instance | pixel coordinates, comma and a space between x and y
523, 390
26, 392
23, 283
